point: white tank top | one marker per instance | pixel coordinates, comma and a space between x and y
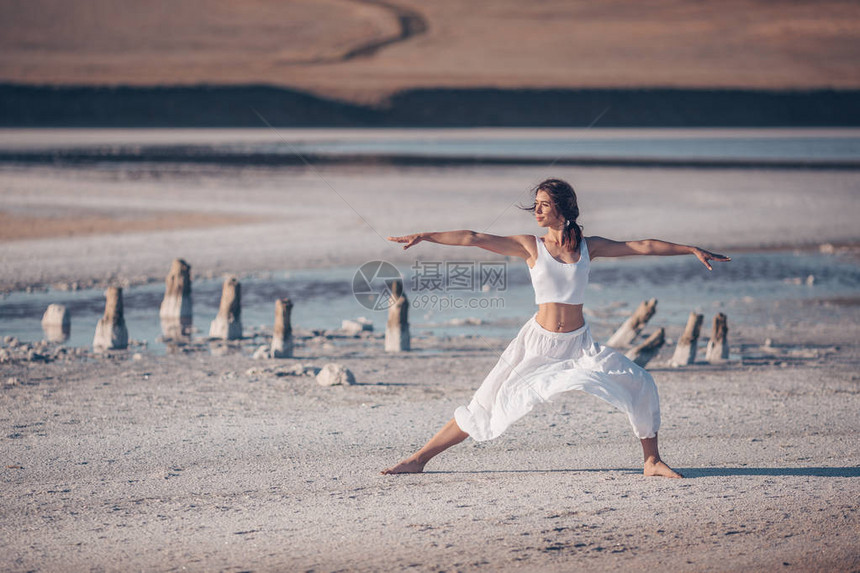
559, 282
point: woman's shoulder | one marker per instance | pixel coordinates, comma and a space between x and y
525, 239
528, 242
595, 240
597, 245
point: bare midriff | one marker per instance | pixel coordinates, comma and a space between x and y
559, 317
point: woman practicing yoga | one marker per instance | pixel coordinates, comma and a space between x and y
554, 351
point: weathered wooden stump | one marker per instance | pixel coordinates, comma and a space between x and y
175, 312
718, 345
631, 328
643, 353
56, 323
111, 333
685, 351
228, 324
397, 328
282, 336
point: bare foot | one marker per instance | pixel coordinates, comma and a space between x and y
405, 467
659, 468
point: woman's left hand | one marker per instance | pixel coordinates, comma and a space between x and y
706, 256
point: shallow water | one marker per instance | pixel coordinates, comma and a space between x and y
790, 148
775, 145
323, 298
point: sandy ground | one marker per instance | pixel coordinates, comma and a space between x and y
328, 46
203, 462
305, 218
200, 463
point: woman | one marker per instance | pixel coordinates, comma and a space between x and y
554, 351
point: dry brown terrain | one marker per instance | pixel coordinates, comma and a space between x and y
79, 222
364, 50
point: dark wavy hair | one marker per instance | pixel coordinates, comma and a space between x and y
564, 198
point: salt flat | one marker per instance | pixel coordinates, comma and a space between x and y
196, 462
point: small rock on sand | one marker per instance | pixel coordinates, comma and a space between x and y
334, 374
33, 356
297, 369
357, 326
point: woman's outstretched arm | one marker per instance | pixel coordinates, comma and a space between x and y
514, 245
601, 247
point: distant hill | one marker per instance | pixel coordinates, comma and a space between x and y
366, 51
237, 106
440, 63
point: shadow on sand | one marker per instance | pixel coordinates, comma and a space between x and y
781, 472
694, 472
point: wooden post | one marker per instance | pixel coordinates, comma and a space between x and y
175, 312
228, 324
643, 353
397, 329
718, 345
56, 323
685, 352
111, 333
631, 328
282, 336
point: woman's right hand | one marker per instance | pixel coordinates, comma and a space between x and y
706, 256
408, 239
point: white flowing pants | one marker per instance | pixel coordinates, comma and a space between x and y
539, 364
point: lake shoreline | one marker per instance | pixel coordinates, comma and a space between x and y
249, 220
